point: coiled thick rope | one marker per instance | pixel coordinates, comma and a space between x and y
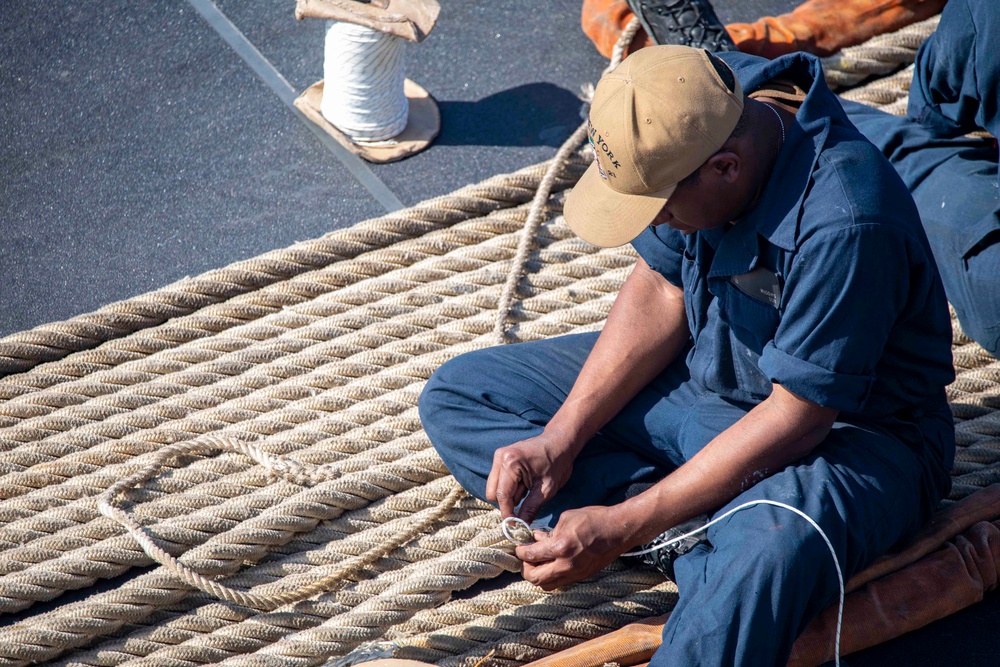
268, 386
559, 267
878, 56
342, 39
363, 82
187, 634
326, 371
521, 622
890, 94
617, 596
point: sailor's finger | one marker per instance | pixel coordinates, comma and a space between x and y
492, 481
509, 493
507, 484
542, 551
549, 576
528, 554
531, 505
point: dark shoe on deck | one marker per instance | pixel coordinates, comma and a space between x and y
663, 559
683, 22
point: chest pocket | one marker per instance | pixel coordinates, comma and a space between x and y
752, 322
752, 308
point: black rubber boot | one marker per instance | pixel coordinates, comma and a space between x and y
683, 22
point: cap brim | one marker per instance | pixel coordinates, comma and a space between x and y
606, 218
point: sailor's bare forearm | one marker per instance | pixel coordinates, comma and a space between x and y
782, 429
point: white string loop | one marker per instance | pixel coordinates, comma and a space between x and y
517, 531
363, 74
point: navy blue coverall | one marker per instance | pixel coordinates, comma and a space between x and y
854, 317
953, 178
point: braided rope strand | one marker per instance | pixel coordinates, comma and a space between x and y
543, 193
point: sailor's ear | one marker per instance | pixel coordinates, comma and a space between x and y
725, 165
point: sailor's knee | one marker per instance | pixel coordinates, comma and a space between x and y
781, 542
434, 392
453, 395
438, 393
447, 385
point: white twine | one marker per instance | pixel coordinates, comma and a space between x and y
774, 503
363, 74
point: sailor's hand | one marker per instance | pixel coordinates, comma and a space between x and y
535, 469
583, 543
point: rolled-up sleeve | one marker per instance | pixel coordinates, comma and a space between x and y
663, 249
842, 298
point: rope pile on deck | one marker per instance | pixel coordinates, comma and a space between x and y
315, 356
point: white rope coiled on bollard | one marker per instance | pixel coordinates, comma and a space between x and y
363, 73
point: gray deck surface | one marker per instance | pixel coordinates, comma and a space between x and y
138, 146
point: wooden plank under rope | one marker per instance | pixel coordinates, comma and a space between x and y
316, 355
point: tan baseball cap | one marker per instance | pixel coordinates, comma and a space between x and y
654, 120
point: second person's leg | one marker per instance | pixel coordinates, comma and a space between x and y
953, 181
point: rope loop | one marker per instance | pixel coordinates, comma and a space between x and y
296, 472
517, 531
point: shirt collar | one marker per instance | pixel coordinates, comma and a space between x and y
776, 215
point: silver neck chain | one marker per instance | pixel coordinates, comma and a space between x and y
780, 122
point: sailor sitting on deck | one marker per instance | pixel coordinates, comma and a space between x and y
784, 336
